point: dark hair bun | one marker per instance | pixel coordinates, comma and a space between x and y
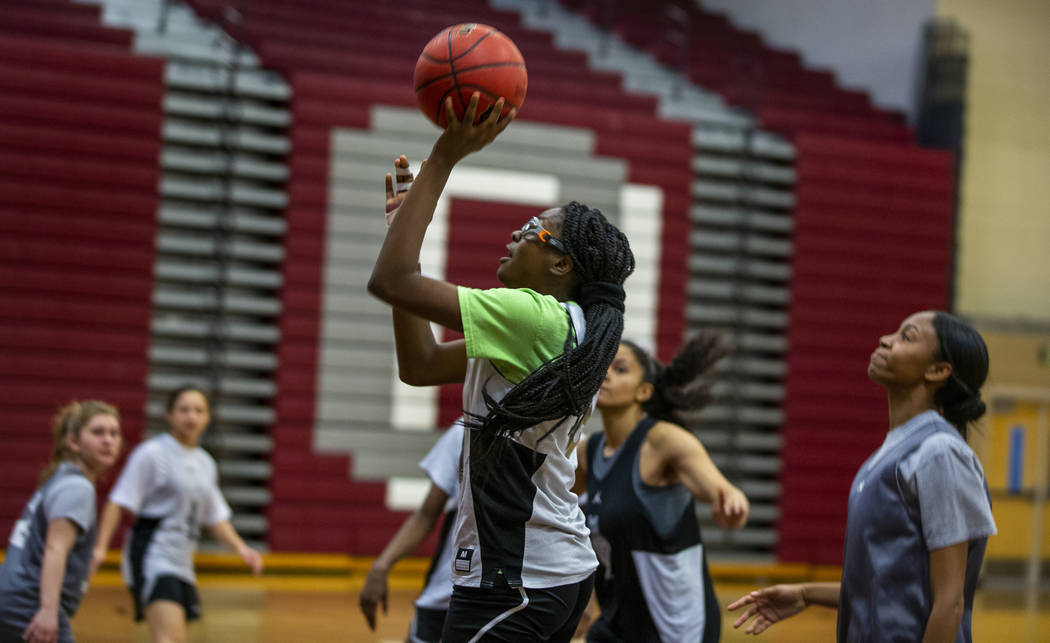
965, 410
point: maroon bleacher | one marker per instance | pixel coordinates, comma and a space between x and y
79, 149
340, 59
873, 220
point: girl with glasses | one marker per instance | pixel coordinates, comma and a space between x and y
533, 356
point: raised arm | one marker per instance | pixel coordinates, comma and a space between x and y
395, 278
685, 457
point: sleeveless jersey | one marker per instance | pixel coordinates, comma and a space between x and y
653, 585
66, 494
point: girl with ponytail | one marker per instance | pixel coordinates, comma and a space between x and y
45, 572
643, 474
919, 510
532, 359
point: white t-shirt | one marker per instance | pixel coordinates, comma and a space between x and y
177, 487
441, 465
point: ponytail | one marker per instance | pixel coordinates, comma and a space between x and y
681, 386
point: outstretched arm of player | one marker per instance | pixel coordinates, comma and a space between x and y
224, 532
687, 458
774, 604
410, 535
107, 524
421, 359
395, 278
61, 534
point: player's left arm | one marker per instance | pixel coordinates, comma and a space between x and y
679, 452
61, 534
395, 278
224, 532
947, 579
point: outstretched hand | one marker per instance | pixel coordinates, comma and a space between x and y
462, 137
768, 606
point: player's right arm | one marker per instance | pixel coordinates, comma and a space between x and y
61, 534
774, 604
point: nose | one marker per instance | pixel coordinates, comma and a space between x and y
515, 236
885, 341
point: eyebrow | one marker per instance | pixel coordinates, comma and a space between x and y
907, 326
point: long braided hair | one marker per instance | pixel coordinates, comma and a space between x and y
565, 385
682, 385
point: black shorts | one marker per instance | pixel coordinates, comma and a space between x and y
170, 588
516, 614
427, 625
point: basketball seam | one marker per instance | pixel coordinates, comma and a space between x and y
470, 48
455, 81
466, 69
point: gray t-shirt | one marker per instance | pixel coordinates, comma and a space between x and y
66, 494
944, 475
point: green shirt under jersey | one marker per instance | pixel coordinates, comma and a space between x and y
516, 329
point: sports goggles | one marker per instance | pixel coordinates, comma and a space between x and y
535, 230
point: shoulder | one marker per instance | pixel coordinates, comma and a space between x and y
668, 437
72, 485
508, 298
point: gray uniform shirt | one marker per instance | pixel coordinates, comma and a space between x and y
66, 494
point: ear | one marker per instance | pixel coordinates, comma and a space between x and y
562, 266
643, 392
938, 373
71, 443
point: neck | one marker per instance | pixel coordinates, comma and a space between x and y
619, 422
90, 473
183, 440
907, 403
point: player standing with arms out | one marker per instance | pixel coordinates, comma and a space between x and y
45, 572
919, 510
171, 486
643, 474
532, 360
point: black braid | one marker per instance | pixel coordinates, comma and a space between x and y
565, 385
682, 385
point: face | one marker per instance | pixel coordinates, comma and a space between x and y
623, 385
529, 258
906, 358
189, 416
98, 443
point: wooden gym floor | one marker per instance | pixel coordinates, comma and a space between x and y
317, 603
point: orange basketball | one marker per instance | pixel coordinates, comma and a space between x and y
464, 59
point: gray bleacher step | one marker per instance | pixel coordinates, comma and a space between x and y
254, 83
215, 189
200, 300
733, 241
195, 245
209, 274
751, 391
234, 439
209, 107
207, 217
743, 169
250, 524
193, 51
230, 385
246, 496
757, 366
737, 315
737, 217
193, 356
744, 341
212, 162
711, 289
756, 143
736, 192
177, 326
745, 267
190, 132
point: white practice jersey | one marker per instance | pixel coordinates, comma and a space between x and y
441, 465
173, 491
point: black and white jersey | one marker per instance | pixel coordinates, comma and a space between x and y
173, 491
653, 585
441, 465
